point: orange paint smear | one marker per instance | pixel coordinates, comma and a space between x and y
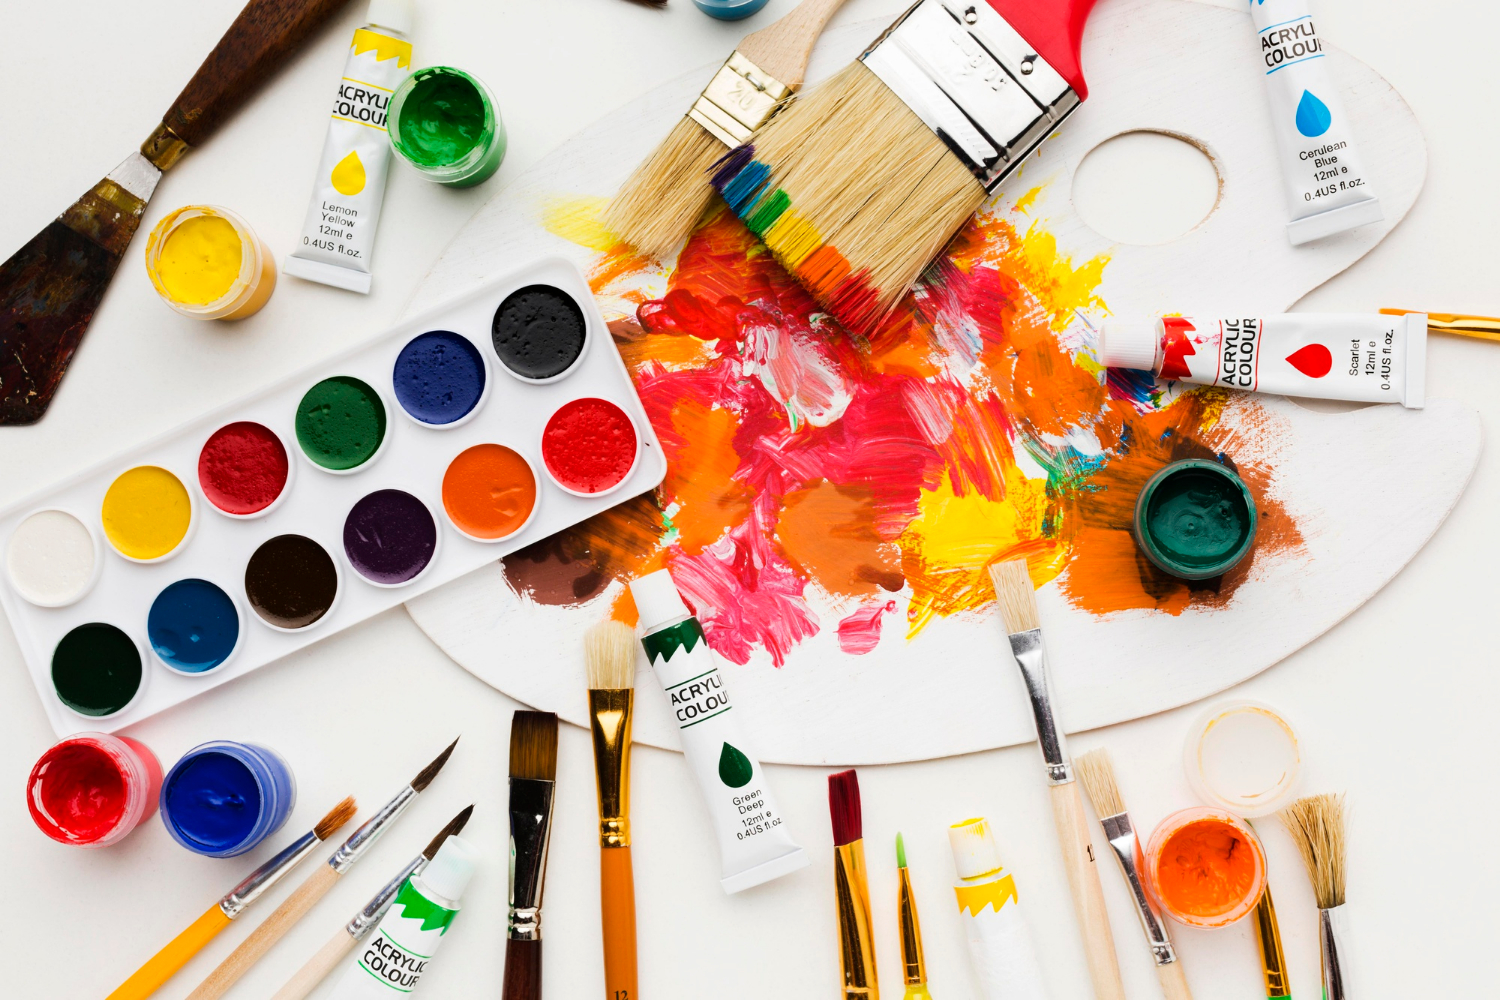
827, 533
1205, 869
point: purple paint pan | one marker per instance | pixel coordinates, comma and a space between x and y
390, 538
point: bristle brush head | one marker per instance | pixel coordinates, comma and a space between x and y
533, 745
1097, 772
844, 808
1316, 823
424, 777
1015, 596
609, 648
900, 851
335, 818
660, 203
454, 828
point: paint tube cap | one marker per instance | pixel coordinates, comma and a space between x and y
1129, 344
657, 600
974, 850
397, 15
451, 868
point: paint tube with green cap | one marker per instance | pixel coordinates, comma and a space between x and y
755, 845
338, 235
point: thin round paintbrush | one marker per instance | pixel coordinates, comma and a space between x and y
610, 650
913, 962
1097, 773
851, 889
658, 205
533, 775
345, 938
1016, 600
1316, 823
315, 886
1458, 324
165, 963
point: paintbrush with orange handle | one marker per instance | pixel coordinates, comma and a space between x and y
610, 650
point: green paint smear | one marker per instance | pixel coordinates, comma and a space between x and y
96, 669
1197, 518
415, 906
442, 119
735, 769
684, 635
340, 422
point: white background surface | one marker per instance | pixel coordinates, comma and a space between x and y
1395, 704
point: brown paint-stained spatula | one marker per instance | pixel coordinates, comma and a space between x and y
50, 288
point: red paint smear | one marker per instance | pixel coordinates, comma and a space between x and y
242, 468
77, 793
589, 445
860, 632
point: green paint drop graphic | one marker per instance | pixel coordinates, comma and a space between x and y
735, 769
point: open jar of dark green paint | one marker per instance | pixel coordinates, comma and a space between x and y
444, 123
1195, 519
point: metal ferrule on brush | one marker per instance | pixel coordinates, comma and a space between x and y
974, 81
1127, 847
360, 840
612, 710
1031, 655
530, 831
381, 901
257, 882
738, 100
912, 971
1331, 930
856, 935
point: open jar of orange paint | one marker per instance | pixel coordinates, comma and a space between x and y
1205, 867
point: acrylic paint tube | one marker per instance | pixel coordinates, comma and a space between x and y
1365, 357
339, 232
393, 959
1005, 962
1327, 188
755, 845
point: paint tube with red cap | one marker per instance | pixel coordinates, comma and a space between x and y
1370, 358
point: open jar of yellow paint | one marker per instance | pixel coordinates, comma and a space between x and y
207, 263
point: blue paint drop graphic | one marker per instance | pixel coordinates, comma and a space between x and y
1313, 116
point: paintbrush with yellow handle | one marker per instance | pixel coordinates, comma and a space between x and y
165, 963
315, 887
1016, 599
610, 650
1458, 324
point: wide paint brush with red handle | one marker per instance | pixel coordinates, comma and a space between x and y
50, 288
859, 184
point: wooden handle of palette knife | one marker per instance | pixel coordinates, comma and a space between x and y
783, 48
523, 970
318, 967
1088, 894
273, 929
254, 47
1173, 982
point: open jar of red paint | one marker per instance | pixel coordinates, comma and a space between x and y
92, 789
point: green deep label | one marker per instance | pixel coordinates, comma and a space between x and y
415, 906
685, 635
735, 769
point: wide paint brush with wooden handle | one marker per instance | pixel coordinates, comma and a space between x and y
50, 288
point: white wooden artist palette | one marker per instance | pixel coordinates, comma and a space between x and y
412, 457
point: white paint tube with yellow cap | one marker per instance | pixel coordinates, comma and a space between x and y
339, 232
1005, 962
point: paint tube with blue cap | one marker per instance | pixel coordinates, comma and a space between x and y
1327, 188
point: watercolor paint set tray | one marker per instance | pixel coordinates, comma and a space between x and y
453, 439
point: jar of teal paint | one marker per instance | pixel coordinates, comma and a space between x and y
444, 123
223, 798
1195, 519
729, 10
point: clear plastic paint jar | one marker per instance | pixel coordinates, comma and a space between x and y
206, 262
1205, 867
444, 122
729, 10
1243, 756
92, 789
1195, 519
223, 798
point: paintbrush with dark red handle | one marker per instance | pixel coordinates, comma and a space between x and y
50, 288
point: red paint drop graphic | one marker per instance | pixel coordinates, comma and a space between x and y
1314, 360
1176, 347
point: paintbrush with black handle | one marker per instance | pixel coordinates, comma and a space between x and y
50, 288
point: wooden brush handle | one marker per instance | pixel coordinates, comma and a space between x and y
165, 963
273, 929
523, 971
1173, 981
617, 911
318, 967
783, 48
254, 47
1088, 894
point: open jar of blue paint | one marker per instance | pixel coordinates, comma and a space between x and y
223, 798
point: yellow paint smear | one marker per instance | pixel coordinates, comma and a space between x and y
146, 512
200, 260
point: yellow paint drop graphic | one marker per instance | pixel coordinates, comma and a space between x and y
349, 174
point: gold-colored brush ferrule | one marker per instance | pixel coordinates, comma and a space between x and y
913, 966
163, 148
738, 100
856, 932
1459, 324
612, 710
1273, 959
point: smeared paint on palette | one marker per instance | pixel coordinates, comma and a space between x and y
209, 554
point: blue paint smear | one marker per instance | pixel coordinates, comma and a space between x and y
439, 377
213, 801
193, 626
1313, 116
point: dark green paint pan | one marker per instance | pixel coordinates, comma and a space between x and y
1195, 519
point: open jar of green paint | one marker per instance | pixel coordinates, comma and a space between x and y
444, 123
1195, 519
